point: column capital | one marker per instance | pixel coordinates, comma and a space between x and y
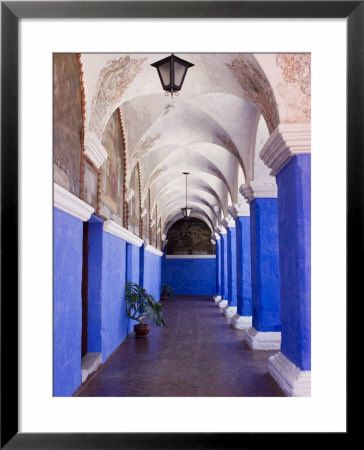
228, 222
220, 229
257, 189
238, 210
94, 150
286, 141
215, 236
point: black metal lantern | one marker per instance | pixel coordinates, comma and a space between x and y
172, 71
186, 211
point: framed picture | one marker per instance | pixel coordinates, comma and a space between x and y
13, 177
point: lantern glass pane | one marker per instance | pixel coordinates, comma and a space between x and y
179, 72
165, 73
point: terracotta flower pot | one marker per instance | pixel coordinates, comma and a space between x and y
141, 329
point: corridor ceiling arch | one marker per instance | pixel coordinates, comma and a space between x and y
211, 129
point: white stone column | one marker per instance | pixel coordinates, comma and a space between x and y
230, 309
265, 333
242, 319
288, 154
221, 230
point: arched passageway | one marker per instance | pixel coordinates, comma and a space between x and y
241, 129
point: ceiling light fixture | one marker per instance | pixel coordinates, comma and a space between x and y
172, 71
186, 211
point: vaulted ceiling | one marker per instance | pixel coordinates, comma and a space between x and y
214, 129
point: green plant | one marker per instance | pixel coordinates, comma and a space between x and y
167, 290
140, 305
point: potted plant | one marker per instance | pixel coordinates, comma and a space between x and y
167, 291
140, 306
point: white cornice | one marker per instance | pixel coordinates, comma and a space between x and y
286, 141
239, 210
69, 203
117, 230
94, 150
256, 189
154, 250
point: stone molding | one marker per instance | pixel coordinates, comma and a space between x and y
241, 322
216, 298
94, 150
149, 248
228, 222
257, 189
229, 311
117, 230
239, 210
222, 230
291, 379
286, 141
263, 340
215, 236
69, 203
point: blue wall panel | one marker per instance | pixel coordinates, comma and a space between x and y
294, 206
95, 235
152, 272
115, 325
67, 303
190, 276
244, 285
265, 264
218, 266
231, 253
224, 267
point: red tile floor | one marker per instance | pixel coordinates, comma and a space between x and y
199, 354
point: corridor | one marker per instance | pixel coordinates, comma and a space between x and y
199, 354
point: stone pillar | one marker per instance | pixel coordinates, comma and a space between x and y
224, 267
265, 334
230, 309
216, 237
288, 153
243, 317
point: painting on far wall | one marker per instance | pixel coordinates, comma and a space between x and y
189, 237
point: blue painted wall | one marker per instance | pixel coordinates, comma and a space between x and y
265, 264
114, 323
224, 267
294, 204
132, 272
243, 249
67, 303
193, 276
218, 267
95, 234
231, 257
152, 273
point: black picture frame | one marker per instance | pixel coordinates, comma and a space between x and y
11, 12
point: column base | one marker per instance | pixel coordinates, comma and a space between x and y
293, 381
89, 364
229, 311
222, 303
263, 340
216, 298
241, 322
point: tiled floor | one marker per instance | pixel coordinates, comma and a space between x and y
199, 354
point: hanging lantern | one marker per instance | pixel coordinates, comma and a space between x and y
172, 71
186, 211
